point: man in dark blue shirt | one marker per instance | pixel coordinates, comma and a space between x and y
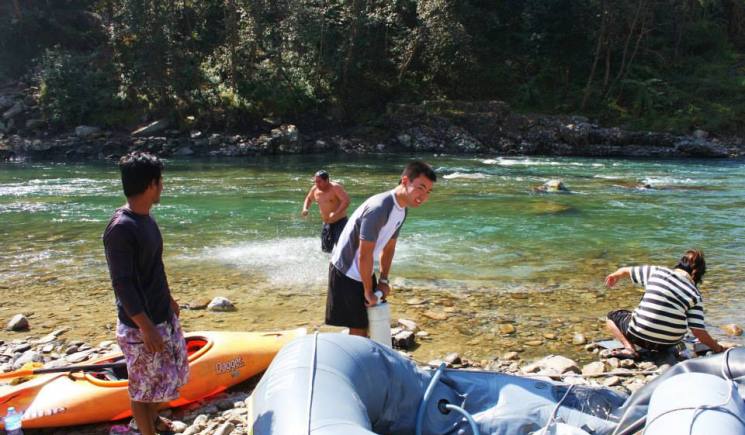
148, 330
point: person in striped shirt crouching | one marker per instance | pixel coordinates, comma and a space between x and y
671, 305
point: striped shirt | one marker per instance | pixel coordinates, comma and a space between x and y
671, 304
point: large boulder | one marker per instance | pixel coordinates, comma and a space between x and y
87, 131
700, 148
282, 140
14, 111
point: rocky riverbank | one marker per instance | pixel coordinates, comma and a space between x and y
227, 413
453, 127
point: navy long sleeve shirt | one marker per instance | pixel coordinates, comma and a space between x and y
134, 253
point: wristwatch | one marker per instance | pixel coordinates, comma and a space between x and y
383, 280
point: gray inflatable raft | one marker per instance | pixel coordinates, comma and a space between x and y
340, 384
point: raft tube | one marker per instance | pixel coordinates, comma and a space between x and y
335, 383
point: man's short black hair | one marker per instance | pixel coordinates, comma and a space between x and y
139, 170
416, 168
323, 174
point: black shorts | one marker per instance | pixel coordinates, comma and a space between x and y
622, 319
330, 234
345, 301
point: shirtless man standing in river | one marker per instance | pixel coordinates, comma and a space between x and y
332, 202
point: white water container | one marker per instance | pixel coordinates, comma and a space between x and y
379, 321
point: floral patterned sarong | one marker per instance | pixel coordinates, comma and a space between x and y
155, 377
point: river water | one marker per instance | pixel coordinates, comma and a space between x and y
485, 251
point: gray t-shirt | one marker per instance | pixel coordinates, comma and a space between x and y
379, 219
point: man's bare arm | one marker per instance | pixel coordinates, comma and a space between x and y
366, 269
151, 339
386, 259
309, 198
343, 201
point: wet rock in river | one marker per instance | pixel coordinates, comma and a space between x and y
409, 324
221, 304
579, 339
506, 329
732, 329
552, 186
19, 322
435, 315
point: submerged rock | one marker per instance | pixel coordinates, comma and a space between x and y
19, 322
221, 304
732, 329
552, 186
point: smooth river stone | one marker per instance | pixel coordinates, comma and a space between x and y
731, 329
435, 315
506, 329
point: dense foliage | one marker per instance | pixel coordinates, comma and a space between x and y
659, 64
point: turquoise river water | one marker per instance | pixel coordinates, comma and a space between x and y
485, 251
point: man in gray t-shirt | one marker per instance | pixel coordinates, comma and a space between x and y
370, 233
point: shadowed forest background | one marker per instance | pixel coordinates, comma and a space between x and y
673, 65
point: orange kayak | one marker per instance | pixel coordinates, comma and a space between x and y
217, 360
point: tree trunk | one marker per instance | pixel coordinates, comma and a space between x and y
606, 77
629, 36
598, 47
349, 57
231, 23
639, 38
